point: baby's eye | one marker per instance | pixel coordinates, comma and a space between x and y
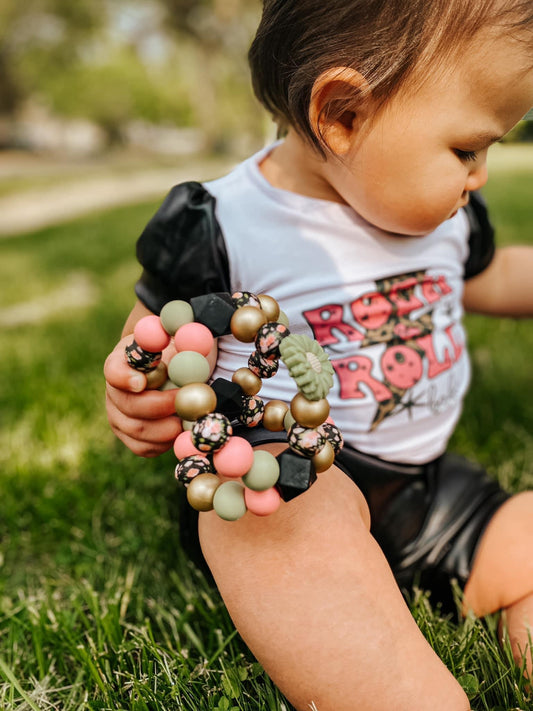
466, 156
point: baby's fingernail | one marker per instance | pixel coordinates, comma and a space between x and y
137, 383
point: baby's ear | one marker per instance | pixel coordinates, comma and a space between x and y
336, 107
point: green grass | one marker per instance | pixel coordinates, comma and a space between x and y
99, 608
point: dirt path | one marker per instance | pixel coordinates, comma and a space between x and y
36, 208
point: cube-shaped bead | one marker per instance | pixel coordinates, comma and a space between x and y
229, 397
297, 474
214, 311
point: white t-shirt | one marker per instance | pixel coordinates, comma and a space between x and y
387, 310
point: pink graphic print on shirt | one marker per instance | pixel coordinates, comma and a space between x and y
401, 316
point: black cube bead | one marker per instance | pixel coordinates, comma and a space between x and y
214, 311
297, 474
229, 397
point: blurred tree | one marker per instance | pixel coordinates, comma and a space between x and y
218, 33
47, 34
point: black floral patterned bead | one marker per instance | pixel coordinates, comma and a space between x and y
333, 435
142, 360
305, 441
211, 432
245, 298
253, 409
269, 337
189, 468
263, 367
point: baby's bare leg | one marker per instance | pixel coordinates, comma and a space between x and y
502, 574
312, 595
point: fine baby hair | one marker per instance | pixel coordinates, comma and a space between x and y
385, 42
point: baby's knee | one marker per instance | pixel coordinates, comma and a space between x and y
502, 572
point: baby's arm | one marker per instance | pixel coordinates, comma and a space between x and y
144, 420
505, 288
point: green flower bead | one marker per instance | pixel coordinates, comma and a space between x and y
308, 364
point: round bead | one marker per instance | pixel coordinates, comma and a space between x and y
309, 413
249, 382
333, 435
141, 360
184, 447
263, 367
264, 472
305, 441
235, 458
245, 323
195, 400
175, 314
156, 377
150, 334
228, 501
245, 298
191, 467
324, 459
262, 503
188, 367
283, 318
288, 421
268, 339
269, 306
194, 337
167, 385
274, 415
187, 425
211, 432
252, 411
201, 491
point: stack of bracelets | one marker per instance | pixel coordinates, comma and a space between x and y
222, 471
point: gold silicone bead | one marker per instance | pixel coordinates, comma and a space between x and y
157, 377
274, 415
245, 323
201, 491
195, 400
248, 381
309, 413
324, 459
269, 306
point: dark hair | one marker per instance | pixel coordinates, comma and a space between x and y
383, 40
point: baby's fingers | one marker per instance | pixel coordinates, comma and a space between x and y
119, 374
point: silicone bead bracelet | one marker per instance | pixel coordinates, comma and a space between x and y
222, 471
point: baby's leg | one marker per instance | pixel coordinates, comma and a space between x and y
312, 595
502, 574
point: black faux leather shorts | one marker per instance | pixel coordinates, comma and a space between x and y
427, 519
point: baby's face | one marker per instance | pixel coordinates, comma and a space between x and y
418, 159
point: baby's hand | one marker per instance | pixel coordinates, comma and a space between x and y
144, 420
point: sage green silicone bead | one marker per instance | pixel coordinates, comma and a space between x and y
283, 318
228, 501
188, 367
288, 421
264, 472
174, 315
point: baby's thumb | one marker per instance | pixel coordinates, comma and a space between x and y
119, 374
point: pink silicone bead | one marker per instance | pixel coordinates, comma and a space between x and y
235, 458
262, 503
194, 337
183, 446
150, 334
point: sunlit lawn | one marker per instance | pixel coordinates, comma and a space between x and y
99, 607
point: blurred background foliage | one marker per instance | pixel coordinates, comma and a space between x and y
124, 65
167, 75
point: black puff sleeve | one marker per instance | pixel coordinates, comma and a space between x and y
481, 241
182, 249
